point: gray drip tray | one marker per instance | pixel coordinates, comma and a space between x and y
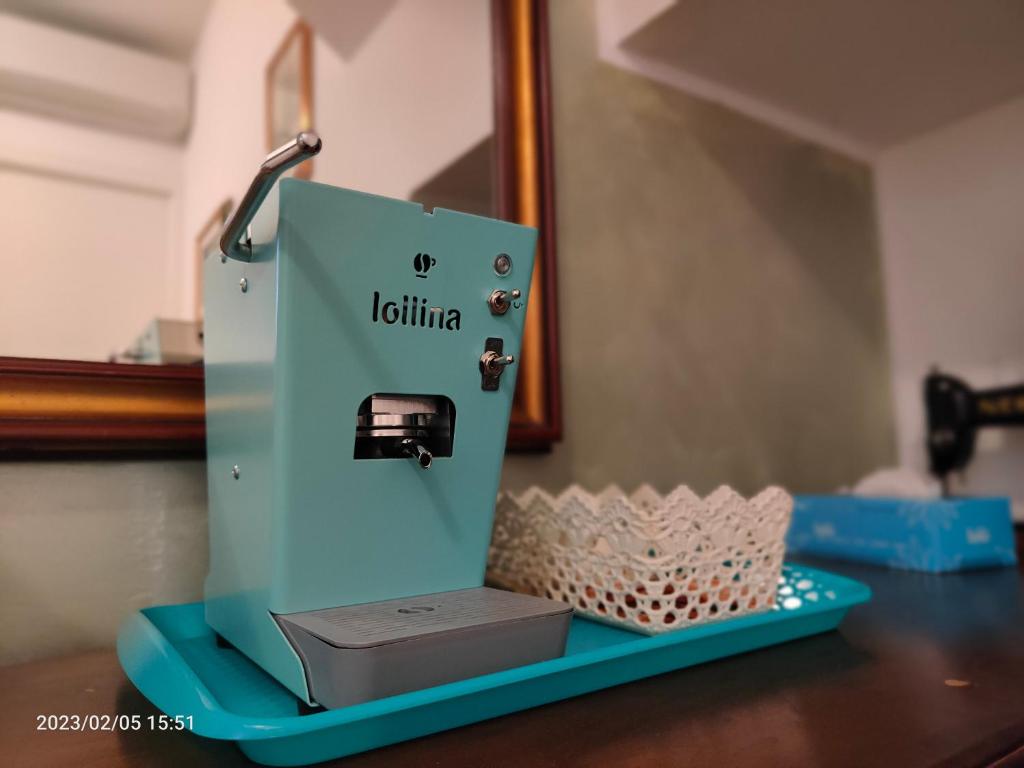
360, 652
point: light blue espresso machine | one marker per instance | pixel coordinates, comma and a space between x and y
360, 364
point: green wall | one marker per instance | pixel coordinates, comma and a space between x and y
722, 314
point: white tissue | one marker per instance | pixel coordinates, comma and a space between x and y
898, 482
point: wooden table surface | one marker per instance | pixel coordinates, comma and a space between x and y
873, 693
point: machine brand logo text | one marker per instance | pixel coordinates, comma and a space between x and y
414, 311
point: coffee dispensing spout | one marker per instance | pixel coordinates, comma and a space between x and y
416, 450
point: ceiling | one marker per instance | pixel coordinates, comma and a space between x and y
876, 71
167, 28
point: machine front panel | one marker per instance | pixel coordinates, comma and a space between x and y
384, 314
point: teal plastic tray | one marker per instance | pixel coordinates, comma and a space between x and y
172, 657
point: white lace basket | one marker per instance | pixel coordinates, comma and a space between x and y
643, 562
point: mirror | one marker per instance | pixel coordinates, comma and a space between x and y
440, 103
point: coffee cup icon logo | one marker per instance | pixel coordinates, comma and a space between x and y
422, 262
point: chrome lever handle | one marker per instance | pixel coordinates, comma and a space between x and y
301, 148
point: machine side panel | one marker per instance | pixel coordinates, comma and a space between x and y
240, 341
352, 530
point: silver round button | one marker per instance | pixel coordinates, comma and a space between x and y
502, 264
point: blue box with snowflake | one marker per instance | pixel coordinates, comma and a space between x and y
933, 535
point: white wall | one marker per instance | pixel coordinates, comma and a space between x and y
91, 227
417, 94
414, 95
80, 78
951, 206
226, 142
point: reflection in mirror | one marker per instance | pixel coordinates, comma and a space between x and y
104, 191
88, 262
289, 91
405, 100
466, 184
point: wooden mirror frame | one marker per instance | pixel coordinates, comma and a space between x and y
526, 193
74, 409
